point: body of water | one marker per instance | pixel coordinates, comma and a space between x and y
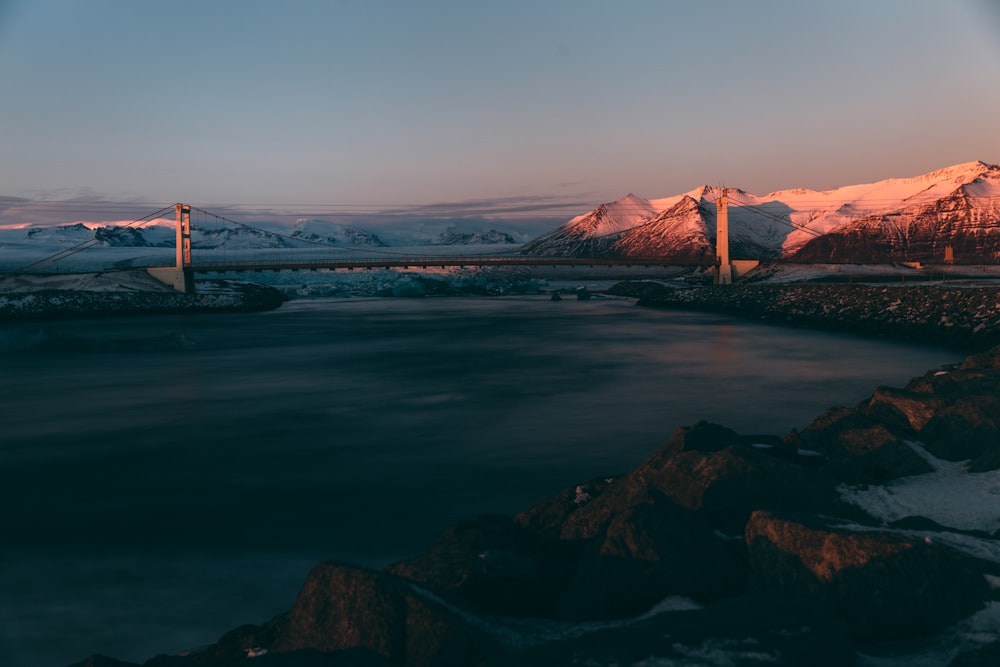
165, 479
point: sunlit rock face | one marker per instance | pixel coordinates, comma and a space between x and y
859, 449
343, 606
884, 584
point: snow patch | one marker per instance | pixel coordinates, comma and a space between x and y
950, 496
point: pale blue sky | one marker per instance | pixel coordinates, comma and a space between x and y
380, 102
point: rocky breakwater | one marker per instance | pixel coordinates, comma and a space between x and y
874, 530
967, 317
132, 292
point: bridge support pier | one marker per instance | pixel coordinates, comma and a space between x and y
724, 271
180, 276
180, 279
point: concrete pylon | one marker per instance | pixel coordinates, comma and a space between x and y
181, 276
723, 272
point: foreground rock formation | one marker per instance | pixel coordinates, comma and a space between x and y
874, 530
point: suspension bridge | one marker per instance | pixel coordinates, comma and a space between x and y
298, 253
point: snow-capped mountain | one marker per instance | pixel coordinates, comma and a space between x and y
489, 237
63, 235
594, 233
331, 233
902, 219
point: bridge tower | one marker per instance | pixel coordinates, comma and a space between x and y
724, 271
183, 266
180, 276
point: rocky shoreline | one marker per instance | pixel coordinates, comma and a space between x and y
874, 531
24, 299
964, 317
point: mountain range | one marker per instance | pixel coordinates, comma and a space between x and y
306, 232
899, 219
949, 213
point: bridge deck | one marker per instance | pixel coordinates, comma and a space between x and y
416, 262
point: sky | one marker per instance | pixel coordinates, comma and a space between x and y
515, 108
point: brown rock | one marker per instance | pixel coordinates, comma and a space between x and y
343, 606
905, 409
547, 517
708, 470
859, 449
883, 584
967, 428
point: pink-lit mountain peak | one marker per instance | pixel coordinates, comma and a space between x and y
776, 224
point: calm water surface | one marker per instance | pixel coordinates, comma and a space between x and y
165, 479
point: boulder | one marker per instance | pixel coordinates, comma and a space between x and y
496, 565
343, 606
903, 409
859, 449
966, 429
954, 412
713, 472
651, 551
884, 584
547, 518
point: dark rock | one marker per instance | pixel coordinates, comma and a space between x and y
859, 449
954, 412
883, 584
236, 644
707, 469
739, 632
903, 409
966, 429
494, 564
547, 517
343, 606
988, 460
984, 361
648, 552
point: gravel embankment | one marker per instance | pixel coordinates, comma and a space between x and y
965, 317
63, 303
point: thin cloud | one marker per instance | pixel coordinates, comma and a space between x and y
18, 212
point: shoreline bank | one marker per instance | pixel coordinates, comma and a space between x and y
43, 298
966, 318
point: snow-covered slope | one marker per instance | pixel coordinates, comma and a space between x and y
331, 233
595, 232
957, 208
914, 217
